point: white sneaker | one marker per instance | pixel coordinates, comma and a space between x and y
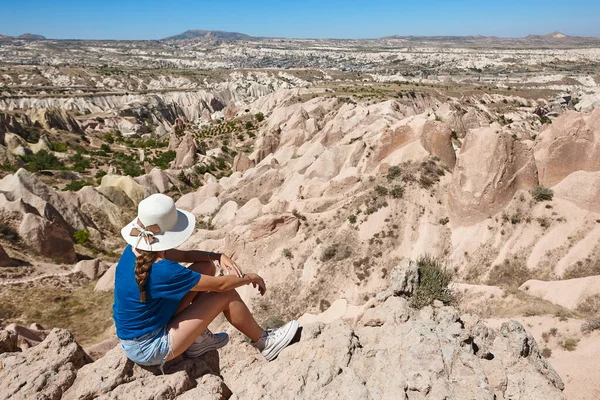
206, 342
274, 340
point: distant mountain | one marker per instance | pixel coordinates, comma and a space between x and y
31, 36
5, 37
215, 35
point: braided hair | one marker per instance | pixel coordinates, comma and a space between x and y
143, 263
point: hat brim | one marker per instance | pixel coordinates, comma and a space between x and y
186, 223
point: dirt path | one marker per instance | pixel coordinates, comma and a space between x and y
34, 278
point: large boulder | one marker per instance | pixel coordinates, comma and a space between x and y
106, 283
115, 377
437, 140
47, 238
395, 352
45, 371
8, 341
92, 269
490, 169
571, 143
581, 188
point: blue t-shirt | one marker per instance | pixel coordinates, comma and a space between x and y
167, 283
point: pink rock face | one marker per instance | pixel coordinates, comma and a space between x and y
49, 239
571, 143
392, 140
491, 168
186, 153
242, 163
436, 139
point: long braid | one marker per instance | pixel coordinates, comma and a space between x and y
143, 263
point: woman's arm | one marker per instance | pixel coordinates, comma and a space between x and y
228, 282
185, 256
192, 256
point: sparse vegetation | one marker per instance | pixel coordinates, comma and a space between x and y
541, 193
434, 279
509, 275
352, 218
42, 160
570, 344
287, 253
328, 253
9, 233
583, 268
81, 236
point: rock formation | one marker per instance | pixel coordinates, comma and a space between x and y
571, 143
490, 169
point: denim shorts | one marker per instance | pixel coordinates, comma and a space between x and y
153, 348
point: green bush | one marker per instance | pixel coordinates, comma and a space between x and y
80, 163
106, 148
259, 117
59, 147
249, 125
287, 253
328, 253
81, 236
7, 232
163, 160
40, 161
541, 193
381, 190
352, 218
397, 192
394, 172
76, 185
433, 283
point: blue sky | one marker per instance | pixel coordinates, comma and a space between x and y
152, 19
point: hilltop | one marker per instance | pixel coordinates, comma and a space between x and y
202, 34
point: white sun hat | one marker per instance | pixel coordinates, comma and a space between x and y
159, 225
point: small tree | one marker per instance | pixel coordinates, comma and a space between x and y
260, 117
81, 236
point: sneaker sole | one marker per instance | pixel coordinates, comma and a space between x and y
211, 347
289, 335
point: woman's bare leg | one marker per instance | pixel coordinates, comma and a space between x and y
186, 326
204, 268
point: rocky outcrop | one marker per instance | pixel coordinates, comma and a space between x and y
581, 188
5, 260
49, 239
395, 352
241, 163
115, 377
490, 169
185, 152
436, 139
8, 341
45, 371
92, 269
571, 143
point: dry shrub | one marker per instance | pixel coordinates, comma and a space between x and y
590, 306
434, 279
570, 344
509, 275
583, 268
590, 326
546, 352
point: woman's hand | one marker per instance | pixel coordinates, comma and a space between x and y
256, 280
230, 266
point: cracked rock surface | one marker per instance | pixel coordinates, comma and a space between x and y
394, 352
389, 351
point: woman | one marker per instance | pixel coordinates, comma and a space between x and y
162, 309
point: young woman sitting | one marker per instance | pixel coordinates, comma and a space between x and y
162, 309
